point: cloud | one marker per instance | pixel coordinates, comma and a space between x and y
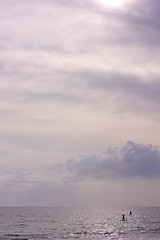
145, 15
63, 69
121, 92
111, 175
29, 179
137, 26
131, 161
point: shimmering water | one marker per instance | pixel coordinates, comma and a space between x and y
79, 223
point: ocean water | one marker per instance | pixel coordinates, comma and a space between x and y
79, 223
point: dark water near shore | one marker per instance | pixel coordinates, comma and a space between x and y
79, 223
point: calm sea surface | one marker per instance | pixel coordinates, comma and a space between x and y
79, 223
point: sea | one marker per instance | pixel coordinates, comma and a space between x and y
40, 223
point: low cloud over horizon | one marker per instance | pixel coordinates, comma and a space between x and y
132, 162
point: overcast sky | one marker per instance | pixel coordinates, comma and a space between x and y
79, 102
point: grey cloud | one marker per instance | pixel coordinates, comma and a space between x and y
146, 14
142, 22
138, 26
129, 84
130, 91
132, 160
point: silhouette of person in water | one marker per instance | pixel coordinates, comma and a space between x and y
130, 212
123, 217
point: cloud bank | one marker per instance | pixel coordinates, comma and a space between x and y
131, 161
104, 178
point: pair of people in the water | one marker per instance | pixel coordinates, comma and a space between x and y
123, 216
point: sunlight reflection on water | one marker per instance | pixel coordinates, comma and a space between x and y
79, 223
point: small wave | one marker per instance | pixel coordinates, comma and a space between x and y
79, 233
154, 230
19, 239
157, 229
16, 237
12, 235
90, 233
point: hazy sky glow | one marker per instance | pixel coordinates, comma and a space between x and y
79, 109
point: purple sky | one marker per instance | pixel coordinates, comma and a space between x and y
79, 109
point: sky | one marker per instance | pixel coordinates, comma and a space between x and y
79, 103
